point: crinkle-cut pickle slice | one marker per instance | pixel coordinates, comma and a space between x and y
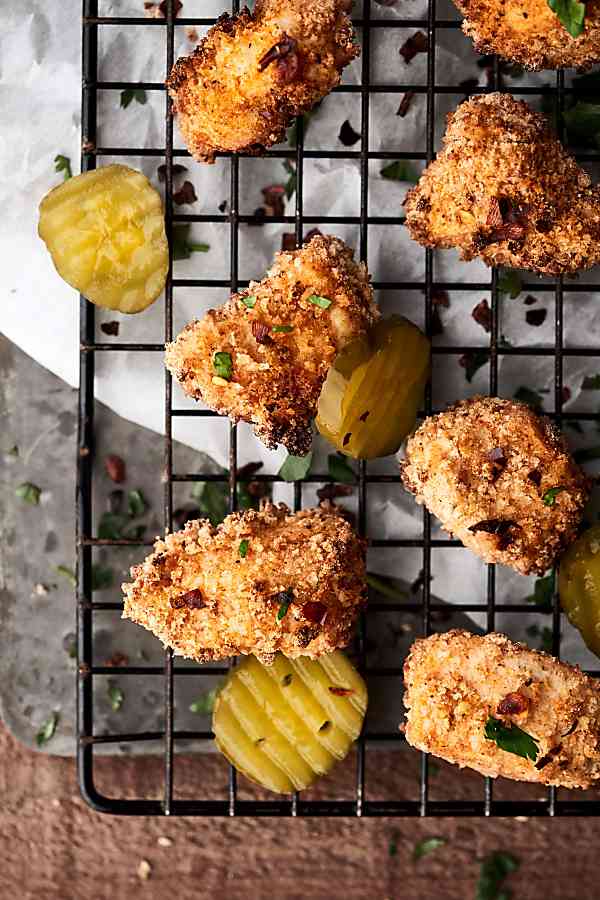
106, 234
284, 725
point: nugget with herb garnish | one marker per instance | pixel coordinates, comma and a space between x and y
263, 357
504, 189
502, 709
500, 478
255, 71
262, 581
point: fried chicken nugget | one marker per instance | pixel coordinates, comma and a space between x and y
530, 33
260, 582
456, 681
254, 72
500, 478
504, 188
281, 336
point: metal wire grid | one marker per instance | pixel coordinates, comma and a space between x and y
87, 740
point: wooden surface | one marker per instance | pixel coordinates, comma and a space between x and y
55, 848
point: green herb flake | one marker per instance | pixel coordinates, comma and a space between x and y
29, 493
549, 498
283, 608
182, 246
282, 329
571, 14
591, 383
102, 577
339, 469
322, 302
543, 590
510, 283
47, 730
136, 504
295, 468
512, 739
131, 94
223, 365
426, 846
205, 703
495, 868
250, 302
243, 548
115, 696
400, 170
13, 451
110, 527
290, 186
530, 397
63, 164
67, 573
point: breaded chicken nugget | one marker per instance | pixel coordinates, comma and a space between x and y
253, 72
504, 188
467, 695
260, 582
530, 33
500, 478
263, 357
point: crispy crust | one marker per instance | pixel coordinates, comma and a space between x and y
455, 681
314, 553
528, 32
452, 467
227, 99
503, 188
277, 377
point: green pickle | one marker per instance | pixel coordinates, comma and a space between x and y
373, 391
285, 725
579, 586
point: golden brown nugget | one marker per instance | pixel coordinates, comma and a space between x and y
280, 336
500, 478
530, 33
504, 188
456, 682
254, 72
260, 582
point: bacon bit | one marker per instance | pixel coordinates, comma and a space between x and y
314, 611
260, 333
405, 103
565, 394
176, 171
417, 43
331, 491
111, 328
494, 216
340, 691
482, 314
274, 195
288, 68
536, 317
190, 600
185, 194
288, 241
278, 51
536, 476
117, 659
440, 298
498, 462
501, 528
514, 704
548, 758
115, 468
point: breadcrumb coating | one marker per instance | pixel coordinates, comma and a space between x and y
530, 33
484, 467
456, 681
297, 585
504, 188
282, 345
254, 72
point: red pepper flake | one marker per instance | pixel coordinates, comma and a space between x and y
340, 691
191, 600
117, 660
405, 103
115, 468
482, 314
314, 611
260, 332
417, 43
535, 476
514, 704
536, 317
185, 194
278, 51
501, 528
176, 171
565, 395
111, 328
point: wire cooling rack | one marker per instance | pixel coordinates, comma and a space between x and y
232, 804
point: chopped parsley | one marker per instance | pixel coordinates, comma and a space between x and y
549, 498
63, 164
212, 497
339, 469
131, 94
511, 739
205, 703
510, 283
426, 846
67, 573
544, 635
250, 302
400, 170
29, 493
182, 246
47, 730
102, 577
115, 696
571, 14
494, 870
223, 365
295, 468
530, 397
136, 504
543, 590
282, 329
322, 302
290, 185
286, 598
243, 548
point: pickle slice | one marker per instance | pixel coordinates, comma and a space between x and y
579, 586
371, 396
284, 725
106, 235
